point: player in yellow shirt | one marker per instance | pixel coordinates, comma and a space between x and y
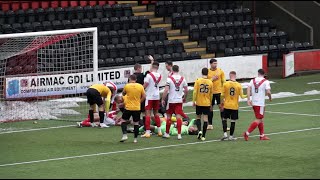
134, 95
202, 98
98, 94
218, 79
230, 97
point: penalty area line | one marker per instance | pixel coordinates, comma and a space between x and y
144, 149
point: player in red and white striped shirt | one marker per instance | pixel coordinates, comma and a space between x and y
151, 85
258, 88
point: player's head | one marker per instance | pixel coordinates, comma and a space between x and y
155, 65
204, 71
118, 99
169, 65
233, 75
193, 130
175, 68
132, 78
213, 63
137, 68
261, 72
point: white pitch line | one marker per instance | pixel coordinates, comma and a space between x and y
39, 129
290, 102
275, 112
143, 149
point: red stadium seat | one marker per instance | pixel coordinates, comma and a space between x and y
64, 4
102, 3
92, 3
111, 2
145, 2
5, 6
44, 4
25, 5
54, 4
15, 5
83, 3
153, 2
35, 5
74, 3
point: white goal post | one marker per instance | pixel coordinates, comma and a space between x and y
44, 75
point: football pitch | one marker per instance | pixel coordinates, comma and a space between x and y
58, 149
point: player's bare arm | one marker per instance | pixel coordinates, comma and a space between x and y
269, 94
164, 95
185, 93
248, 96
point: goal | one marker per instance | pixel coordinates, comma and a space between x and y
44, 75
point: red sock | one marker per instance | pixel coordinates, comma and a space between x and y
168, 125
184, 115
147, 123
179, 125
86, 123
261, 128
157, 120
252, 126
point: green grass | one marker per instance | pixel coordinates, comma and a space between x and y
288, 155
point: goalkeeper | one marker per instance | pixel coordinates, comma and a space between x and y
187, 128
98, 94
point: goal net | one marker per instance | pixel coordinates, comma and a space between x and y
44, 75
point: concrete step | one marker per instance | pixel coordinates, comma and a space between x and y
173, 33
165, 26
148, 14
181, 38
207, 56
156, 21
201, 51
136, 9
133, 3
188, 45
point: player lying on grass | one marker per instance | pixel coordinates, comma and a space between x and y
186, 128
230, 104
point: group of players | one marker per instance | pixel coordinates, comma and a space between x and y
141, 93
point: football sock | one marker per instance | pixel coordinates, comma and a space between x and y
168, 125
179, 125
252, 126
198, 123
221, 114
233, 125
147, 123
124, 127
91, 116
261, 129
205, 126
136, 131
210, 117
101, 114
224, 125
157, 120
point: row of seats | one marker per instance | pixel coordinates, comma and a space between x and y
167, 8
69, 13
110, 62
202, 31
132, 36
274, 52
16, 5
140, 49
103, 24
184, 19
219, 43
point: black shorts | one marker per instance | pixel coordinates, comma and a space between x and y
94, 97
216, 97
121, 109
205, 110
135, 115
230, 114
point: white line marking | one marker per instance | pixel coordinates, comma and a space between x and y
26, 130
143, 149
313, 83
290, 102
274, 112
